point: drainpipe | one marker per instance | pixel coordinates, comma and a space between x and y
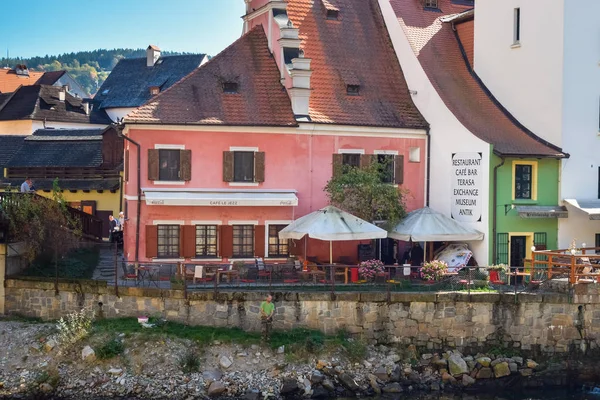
119, 127
494, 209
428, 171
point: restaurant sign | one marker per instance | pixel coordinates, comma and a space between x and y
466, 187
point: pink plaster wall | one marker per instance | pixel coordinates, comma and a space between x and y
292, 161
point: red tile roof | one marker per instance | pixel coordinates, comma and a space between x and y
440, 52
199, 97
10, 81
355, 49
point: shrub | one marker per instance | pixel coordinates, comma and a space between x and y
498, 267
189, 362
74, 327
370, 268
110, 349
434, 270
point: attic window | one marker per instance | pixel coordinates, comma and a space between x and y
230, 87
154, 90
289, 54
353, 90
430, 4
333, 14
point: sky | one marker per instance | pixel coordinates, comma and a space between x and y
63, 26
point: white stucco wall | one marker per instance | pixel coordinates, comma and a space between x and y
448, 135
526, 79
117, 113
581, 113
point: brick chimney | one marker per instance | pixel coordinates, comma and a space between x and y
152, 55
300, 89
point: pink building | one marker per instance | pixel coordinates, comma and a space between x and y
245, 144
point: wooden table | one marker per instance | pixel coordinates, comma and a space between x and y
228, 274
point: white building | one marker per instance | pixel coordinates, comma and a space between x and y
541, 60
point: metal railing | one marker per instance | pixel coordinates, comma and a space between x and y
91, 226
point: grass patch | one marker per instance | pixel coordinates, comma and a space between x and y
78, 264
110, 349
189, 362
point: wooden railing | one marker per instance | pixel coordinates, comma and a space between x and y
91, 226
579, 265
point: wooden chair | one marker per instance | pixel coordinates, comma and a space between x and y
201, 275
341, 271
262, 270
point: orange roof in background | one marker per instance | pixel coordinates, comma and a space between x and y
354, 49
446, 56
10, 81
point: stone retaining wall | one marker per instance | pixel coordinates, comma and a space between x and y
538, 322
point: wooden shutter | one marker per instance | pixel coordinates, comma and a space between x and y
259, 240
337, 164
226, 241
185, 164
153, 164
366, 160
259, 166
151, 241
187, 243
399, 170
228, 166
126, 166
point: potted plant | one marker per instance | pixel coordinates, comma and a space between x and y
433, 270
369, 269
495, 271
177, 282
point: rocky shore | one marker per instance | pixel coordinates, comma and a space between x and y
32, 363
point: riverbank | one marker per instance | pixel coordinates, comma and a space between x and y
120, 358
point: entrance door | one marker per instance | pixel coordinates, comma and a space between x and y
517, 250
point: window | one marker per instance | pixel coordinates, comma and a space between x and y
351, 160
277, 247
206, 241
230, 87
243, 241
597, 244
386, 167
332, 14
431, 4
168, 165
154, 90
243, 166
289, 54
353, 90
523, 180
168, 241
517, 27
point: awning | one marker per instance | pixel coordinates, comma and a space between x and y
590, 207
542, 211
220, 198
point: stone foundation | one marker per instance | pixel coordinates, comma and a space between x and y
532, 322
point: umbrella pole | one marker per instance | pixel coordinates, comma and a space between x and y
330, 252
425, 253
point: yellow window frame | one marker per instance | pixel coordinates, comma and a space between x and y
534, 178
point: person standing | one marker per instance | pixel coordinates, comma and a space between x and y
416, 254
121, 221
112, 228
267, 308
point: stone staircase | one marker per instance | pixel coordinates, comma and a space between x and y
105, 270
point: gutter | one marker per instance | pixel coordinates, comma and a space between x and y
428, 170
119, 127
494, 209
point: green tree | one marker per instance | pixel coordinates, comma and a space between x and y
45, 225
362, 192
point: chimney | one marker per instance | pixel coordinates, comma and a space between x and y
61, 94
152, 55
300, 90
86, 108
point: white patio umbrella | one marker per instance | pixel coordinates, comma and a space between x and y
331, 224
427, 225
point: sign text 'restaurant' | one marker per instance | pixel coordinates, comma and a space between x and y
466, 187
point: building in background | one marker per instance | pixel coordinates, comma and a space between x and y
12, 78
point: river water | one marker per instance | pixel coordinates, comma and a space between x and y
538, 394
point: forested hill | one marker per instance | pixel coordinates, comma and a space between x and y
89, 68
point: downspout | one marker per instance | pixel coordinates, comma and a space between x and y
428, 171
494, 210
119, 126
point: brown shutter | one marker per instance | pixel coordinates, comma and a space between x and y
366, 160
399, 170
126, 165
337, 164
185, 159
153, 162
226, 239
151, 241
187, 245
228, 166
259, 240
259, 166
